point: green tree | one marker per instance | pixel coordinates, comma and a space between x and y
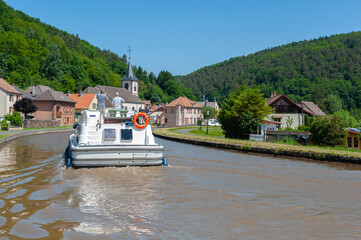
26, 106
333, 103
212, 112
53, 64
328, 131
346, 117
242, 111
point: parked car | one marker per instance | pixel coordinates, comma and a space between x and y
213, 122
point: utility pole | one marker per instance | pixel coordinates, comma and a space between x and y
207, 121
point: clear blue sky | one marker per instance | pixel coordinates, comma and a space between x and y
183, 36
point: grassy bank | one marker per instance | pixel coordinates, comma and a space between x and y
314, 152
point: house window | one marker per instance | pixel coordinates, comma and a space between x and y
135, 88
186, 121
165, 120
64, 121
166, 111
172, 111
67, 120
195, 120
94, 105
349, 142
71, 120
355, 142
126, 86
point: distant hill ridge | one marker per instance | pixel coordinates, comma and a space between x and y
329, 65
35, 53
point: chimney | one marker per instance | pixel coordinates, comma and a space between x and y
68, 94
80, 93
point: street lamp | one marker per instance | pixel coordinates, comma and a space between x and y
207, 121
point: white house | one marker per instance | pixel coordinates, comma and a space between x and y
8, 96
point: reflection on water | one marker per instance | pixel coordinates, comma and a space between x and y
204, 194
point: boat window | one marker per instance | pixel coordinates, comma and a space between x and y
109, 134
126, 134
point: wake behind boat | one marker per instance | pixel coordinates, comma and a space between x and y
113, 138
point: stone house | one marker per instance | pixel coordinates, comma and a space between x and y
8, 97
155, 115
182, 112
56, 106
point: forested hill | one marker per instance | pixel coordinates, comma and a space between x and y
325, 68
32, 53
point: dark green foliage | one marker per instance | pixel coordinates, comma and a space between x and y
333, 104
328, 131
26, 106
34, 53
306, 70
242, 111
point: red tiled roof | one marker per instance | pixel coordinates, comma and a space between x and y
4, 85
84, 101
313, 108
153, 108
265, 121
184, 102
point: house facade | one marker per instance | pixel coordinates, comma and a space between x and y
353, 138
83, 102
8, 97
287, 112
182, 112
155, 114
53, 105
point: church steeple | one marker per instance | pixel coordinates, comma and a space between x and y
130, 81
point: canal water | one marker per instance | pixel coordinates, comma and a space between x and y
205, 193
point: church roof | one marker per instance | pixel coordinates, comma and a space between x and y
130, 74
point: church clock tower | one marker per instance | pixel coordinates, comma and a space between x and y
130, 81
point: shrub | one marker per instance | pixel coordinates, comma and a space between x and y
14, 118
328, 131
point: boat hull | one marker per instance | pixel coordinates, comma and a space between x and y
116, 155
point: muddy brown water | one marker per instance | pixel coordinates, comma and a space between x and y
205, 194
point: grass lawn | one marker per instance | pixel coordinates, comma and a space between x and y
212, 132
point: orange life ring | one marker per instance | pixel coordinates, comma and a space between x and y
140, 126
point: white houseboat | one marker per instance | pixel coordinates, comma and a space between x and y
113, 138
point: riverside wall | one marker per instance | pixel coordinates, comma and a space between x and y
26, 133
320, 156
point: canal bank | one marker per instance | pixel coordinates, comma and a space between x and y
9, 135
306, 152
